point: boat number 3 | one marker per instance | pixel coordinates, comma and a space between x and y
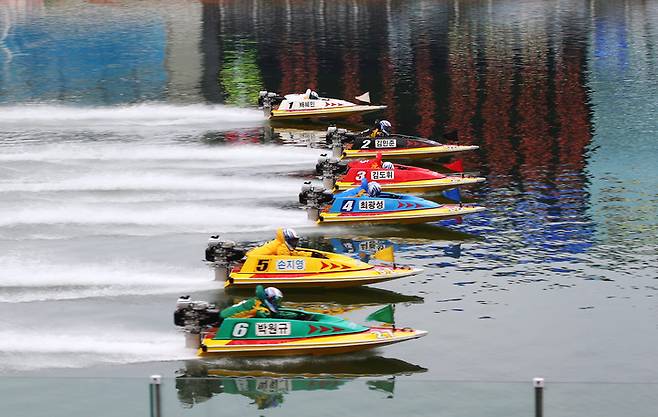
348, 205
262, 265
240, 329
366, 144
360, 175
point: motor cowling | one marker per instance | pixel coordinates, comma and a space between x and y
267, 99
194, 317
223, 251
314, 196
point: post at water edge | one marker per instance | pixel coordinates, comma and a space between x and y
154, 394
538, 383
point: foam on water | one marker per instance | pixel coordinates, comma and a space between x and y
27, 280
38, 116
69, 348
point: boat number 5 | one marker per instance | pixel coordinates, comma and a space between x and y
360, 175
240, 329
366, 144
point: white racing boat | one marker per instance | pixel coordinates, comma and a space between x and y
310, 105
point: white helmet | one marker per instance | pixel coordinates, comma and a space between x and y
291, 238
387, 165
273, 297
374, 189
386, 126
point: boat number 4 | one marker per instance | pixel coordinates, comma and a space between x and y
348, 205
371, 205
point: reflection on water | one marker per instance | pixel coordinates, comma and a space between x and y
267, 385
560, 97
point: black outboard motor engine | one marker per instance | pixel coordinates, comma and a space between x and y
266, 100
313, 198
194, 318
221, 254
330, 168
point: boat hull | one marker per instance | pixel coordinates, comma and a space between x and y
321, 280
401, 217
322, 113
372, 338
410, 153
419, 186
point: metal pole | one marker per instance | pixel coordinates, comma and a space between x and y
538, 383
156, 400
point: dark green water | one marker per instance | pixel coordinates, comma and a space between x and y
128, 135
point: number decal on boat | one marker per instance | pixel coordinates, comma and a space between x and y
291, 265
360, 175
387, 174
262, 265
366, 144
382, 334
240, 329
348, 205
385, 143
275, 328
370, 245
371, 205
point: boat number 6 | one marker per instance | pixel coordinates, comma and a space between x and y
382, 334
360, 175
240, 329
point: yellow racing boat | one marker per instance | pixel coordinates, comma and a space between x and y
319, 270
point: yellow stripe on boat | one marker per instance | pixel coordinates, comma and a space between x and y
407, 216
324, 112
410, 153
321, 345
417, 186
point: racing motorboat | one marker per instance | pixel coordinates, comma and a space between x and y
310, 105
347, 144
289, 332
343, 175
238, 269
350, 207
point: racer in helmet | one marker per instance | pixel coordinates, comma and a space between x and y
311, 95
285, 244
374, 189
382, 128
388, 165
265, 304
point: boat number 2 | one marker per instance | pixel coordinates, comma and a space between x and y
240, 329
348, 205
366, 144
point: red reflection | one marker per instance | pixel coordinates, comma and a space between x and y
426, 105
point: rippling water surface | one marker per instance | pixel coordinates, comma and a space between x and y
128, 135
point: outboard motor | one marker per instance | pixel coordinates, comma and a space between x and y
195, 317
266, 100
313, 198
328, 169
221, 254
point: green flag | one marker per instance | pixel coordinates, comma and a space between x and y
386, 315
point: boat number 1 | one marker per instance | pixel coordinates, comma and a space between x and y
348, 205
240, 329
